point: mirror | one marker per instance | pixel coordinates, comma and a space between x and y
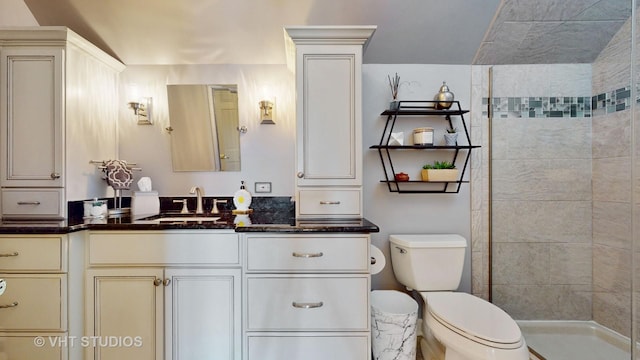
204, 127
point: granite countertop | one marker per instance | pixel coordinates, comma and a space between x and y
254, 222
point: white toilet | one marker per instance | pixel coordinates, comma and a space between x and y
464, 326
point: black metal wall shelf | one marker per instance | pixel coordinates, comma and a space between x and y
415, 108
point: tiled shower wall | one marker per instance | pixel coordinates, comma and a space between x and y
561, 225
612, 211
541, 192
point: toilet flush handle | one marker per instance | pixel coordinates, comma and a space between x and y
401, 250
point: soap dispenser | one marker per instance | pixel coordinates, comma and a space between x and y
242, 200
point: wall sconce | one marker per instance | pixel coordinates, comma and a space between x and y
266, 112
142, 110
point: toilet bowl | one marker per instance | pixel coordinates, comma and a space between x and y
467, 327
471, 328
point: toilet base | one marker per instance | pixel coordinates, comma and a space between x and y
431, 349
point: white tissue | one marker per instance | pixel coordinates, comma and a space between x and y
397, 138
144, 184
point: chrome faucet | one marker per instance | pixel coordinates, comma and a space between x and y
199, 193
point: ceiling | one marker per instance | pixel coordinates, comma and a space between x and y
409, 31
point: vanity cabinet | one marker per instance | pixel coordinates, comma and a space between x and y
296, 286
328, 72
176, 294
35, 300
58, 101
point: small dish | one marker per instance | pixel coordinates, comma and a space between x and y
402, 177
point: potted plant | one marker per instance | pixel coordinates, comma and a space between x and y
394, 85
451, 136
439, 171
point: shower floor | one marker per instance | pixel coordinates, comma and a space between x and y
571, 340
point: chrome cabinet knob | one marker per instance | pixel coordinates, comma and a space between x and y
55, 175
300, 174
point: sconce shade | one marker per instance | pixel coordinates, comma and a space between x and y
266, 112
142, 110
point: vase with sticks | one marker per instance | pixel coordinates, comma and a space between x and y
394, 84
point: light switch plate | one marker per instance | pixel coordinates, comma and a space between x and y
263, 187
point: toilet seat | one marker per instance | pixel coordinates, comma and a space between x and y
474, 319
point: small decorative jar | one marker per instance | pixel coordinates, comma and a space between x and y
444, 97
423, 136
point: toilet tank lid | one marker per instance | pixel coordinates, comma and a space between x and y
429, 240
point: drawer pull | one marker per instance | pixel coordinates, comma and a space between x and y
13, 304
15, 253
329, 202
307, 255
307, 305
28, 202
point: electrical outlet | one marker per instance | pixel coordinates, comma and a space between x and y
263, 187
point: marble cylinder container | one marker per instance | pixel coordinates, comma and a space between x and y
394, 317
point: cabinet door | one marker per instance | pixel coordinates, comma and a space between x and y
202, 314
329, 127
125, 307
31, 118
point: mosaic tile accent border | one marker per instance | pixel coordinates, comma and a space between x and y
560, 107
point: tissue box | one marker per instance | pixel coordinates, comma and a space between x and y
145, 202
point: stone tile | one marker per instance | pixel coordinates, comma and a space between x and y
612, 179
611, 69
542, 221
612, 224
570, 264
542, 138
611, 269
520, 263
612, 135
613, 310
544, 302
477, 270
545, 179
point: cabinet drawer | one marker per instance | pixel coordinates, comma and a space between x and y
30, 254
163, 248
32, 203
33, 303
22, 347
315, 347
330, 202
308, 303
308, 253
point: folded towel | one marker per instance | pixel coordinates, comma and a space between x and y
118, 174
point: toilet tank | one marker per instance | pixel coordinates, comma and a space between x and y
428, 262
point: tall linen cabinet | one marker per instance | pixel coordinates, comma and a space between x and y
328, 72
58, 111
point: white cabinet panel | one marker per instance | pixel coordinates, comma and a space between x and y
311, 253
20, 346
308, 303
32, 254
327, 202
126, 303
32, 203
163, 247
310, 347
33, 302
202, 314
32, 116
